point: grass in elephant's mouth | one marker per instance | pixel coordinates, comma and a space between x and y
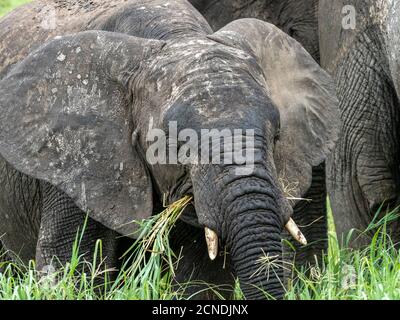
371, 273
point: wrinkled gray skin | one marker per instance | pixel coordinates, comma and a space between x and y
75, 111
299, 19
363, 171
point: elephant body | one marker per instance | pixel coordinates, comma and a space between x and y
363, 171
297, 18
80, 94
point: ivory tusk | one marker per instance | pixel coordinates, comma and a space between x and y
295, 232
212, 243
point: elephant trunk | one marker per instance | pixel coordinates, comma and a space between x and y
247, 213
256, 251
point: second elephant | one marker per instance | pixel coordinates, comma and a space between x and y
364, 59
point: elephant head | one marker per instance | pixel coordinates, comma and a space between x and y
81, 112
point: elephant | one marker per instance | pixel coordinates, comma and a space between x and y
80, 103
359, 48
298, 18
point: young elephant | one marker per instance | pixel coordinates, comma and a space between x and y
299, 19
77, 111
363, 58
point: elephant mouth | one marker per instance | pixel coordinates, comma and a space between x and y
212, 239
189, 215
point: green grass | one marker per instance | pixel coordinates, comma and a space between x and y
7, 5
372, 273
146, 273
345, 274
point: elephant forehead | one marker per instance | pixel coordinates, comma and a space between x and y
200, 62
204, 79
192, 55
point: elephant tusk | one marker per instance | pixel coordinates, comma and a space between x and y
212, 243
295, 232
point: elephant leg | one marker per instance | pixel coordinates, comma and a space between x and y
195, 272
20, 209
61, 222
311, 216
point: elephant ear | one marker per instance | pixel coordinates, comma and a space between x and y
303, 93
66, 119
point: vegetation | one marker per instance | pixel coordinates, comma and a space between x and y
147, 273
8, 5
372, 273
